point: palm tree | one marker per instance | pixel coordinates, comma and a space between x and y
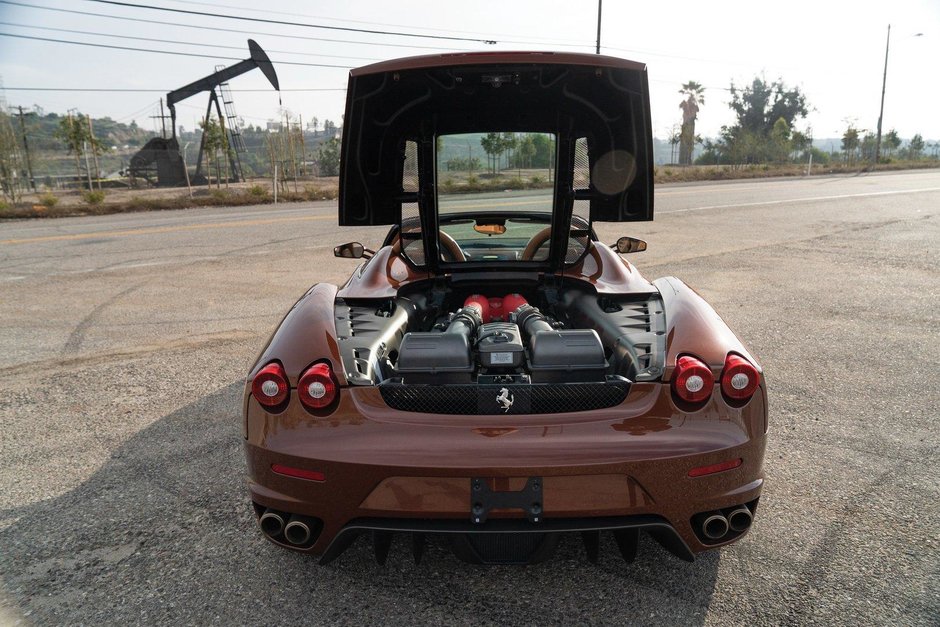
695, 96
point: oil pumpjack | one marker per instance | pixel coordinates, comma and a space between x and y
161, 155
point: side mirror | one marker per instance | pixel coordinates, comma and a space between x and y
351, 250
626, 245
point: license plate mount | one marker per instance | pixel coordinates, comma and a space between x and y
483, 499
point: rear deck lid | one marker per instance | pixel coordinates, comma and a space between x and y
603, 101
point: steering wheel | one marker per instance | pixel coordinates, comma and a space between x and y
450, 249
538, 240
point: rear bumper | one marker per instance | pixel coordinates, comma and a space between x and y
620, 469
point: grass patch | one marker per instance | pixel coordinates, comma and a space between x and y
48, 200
93, 197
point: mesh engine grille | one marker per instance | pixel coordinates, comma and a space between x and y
482, 399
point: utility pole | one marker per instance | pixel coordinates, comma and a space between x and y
162, 120
884, 81
94, 150
303, 146
597, 50
29, 165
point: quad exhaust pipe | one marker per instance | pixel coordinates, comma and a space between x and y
725, 524
739, 519
715, 526
297, 530
272, 523
286, 528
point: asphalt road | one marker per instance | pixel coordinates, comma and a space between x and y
125, 340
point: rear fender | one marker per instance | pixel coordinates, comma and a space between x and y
693, 327
306, 334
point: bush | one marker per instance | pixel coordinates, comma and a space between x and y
473, 180
537, 180
93, 197
4, 205
48, 200
258, 191
219, 194
137, 203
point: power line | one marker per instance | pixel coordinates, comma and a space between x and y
184, 43
286, 23
226, 30
155, 91
323, 17
180, 54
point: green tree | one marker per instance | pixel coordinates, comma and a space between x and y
759, 108
759, 105
215, 140
780, 140
525, 151
544, 156
492, 146
10, 162
328, 157
867, 147
850, 143
801, 142
695, 96
916, 146
77, 138
891, 142
509, 143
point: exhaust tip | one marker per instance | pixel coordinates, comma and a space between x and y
272, 523
297, 531
740, 519
715, 526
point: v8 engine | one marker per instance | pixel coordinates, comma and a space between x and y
516, 340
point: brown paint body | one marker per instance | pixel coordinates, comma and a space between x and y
630, 459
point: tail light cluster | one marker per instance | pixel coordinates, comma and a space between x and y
270, 387
316, 388
692, 380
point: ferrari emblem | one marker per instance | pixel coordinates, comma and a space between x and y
504, 399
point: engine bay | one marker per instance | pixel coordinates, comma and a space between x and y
484, 335
500, 337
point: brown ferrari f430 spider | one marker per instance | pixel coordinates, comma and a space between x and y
492, 373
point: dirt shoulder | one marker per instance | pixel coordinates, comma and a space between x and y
56, 204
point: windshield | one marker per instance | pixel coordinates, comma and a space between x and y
509, 176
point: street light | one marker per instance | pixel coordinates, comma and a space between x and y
884, 81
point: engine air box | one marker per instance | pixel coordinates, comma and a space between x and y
434, 358
566, 356
499, 345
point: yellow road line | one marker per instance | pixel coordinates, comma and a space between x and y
163, 229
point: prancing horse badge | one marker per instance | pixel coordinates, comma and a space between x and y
504, 399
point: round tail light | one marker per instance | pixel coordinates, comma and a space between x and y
270, 387
739, 379
317, 388
692, 380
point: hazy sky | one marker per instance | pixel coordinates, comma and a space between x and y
833, 50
